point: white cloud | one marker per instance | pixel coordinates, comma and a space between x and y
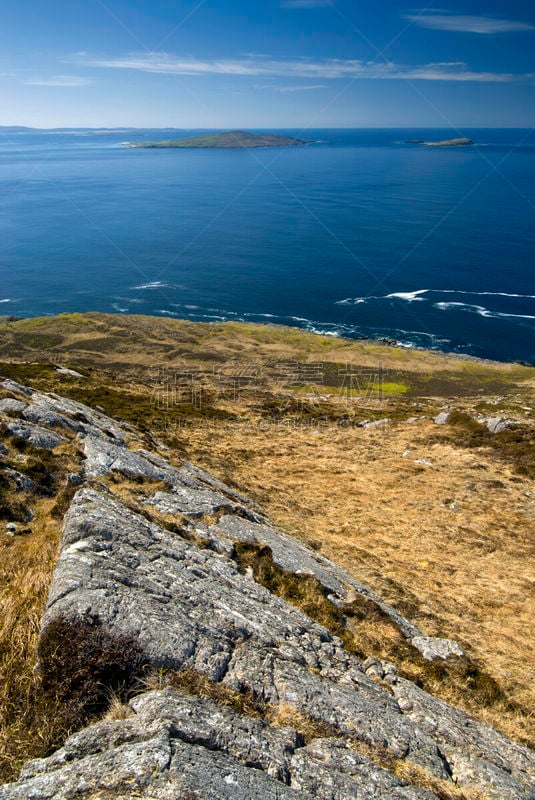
58, 80
468, 24
308, 87
325, 69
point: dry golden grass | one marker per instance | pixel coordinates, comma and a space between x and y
117, 709
26, 566
450, 544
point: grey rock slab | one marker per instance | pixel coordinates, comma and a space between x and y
330, 770
194, 720
35, 434
331, 690
12, 386
176, 744
15, 406
375, 423
159, 768
498, 424
456, 732
41, 412
199, 720
193, 503
103, 456
75, 415
70, 372
496, 783
191, 607
432, 647
442, 418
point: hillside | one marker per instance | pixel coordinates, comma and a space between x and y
232, 139
409, 470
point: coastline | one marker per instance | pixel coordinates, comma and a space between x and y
388, 345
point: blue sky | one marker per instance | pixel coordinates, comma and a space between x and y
267, 64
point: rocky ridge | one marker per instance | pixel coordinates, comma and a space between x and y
158, 569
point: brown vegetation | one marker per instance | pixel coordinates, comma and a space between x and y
447, 541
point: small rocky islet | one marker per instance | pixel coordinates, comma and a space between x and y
459, 142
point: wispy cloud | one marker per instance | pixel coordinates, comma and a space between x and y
305, 3
59, 80
325, 69
308, 87
485, 25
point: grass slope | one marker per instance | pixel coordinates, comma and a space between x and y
437, 519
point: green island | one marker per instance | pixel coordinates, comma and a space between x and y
231, 139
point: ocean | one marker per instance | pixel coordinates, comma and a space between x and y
357, 234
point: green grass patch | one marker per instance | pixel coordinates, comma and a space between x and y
391, 387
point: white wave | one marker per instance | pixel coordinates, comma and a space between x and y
152, 285
518, 316
408, 296
443, 306
415, 296
481, 310
353, 301
6, 300
482, 294
319, 332
117, 307
165, 311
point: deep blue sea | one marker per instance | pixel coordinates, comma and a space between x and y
357, 234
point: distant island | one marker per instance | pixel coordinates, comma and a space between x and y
232, 139
445, 143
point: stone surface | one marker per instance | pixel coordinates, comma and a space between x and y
191, 502
330, 769
70, 372
176, 744
35, 434
16, 388
471, 747
432, 648
190, 607
15, 406
375, 423
498, 424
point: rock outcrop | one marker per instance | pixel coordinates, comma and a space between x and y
157, 568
